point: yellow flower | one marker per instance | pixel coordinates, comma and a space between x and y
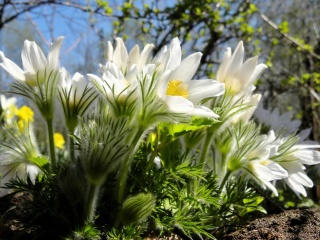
59, 140
25, 115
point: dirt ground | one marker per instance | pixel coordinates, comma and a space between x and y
294, 224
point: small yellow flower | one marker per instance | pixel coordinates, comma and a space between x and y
25, 115
59, 140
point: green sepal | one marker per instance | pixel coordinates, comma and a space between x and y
42, 162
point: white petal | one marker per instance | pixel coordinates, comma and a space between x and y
179, 104
134, 56
203, 112
162, 84
257, 71
174, 59
187, 68
13, 69
277, 171
33, 58
109, 52
33, 171
304, 134
53, 55
145, 54
120, 55
246, 71
200, 89
296, 187
221, 74
236, 60
309, 157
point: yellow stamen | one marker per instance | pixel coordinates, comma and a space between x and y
177, 88
25, 115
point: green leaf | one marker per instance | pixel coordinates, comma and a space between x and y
179, 129
284, 27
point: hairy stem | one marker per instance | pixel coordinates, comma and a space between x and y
91, 200
126, 166
51, 142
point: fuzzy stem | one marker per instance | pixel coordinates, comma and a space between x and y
71, 148
224, 180
205, 148
51, 142
91, 201
125, 167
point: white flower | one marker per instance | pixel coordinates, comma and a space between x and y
238, 76
8, 108
124, 61
260, 168
36, 67
113, 84
294, 159
175, 87
250, 102
77, 88
18, 155
264, 172
12, 171
297, 178
276, 121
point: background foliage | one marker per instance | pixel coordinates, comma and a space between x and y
285, 34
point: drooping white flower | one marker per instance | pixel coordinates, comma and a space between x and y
238, 76
36, 67
297, 178
176, 87
293, 157
260, 168
264, 172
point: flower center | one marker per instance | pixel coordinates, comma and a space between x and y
177, 88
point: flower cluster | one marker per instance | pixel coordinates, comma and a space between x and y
141, 104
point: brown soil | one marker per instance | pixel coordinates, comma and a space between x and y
294, 224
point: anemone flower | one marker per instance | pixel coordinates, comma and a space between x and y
36, 67
176, 87
19, 155
75, 95
124, 60
8, 108
238, 76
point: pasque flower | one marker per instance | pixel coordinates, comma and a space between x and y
19, 155
176, 87
36, 67
8, 108
127, 61
294, 159
238, 76
120, 82
76, 95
